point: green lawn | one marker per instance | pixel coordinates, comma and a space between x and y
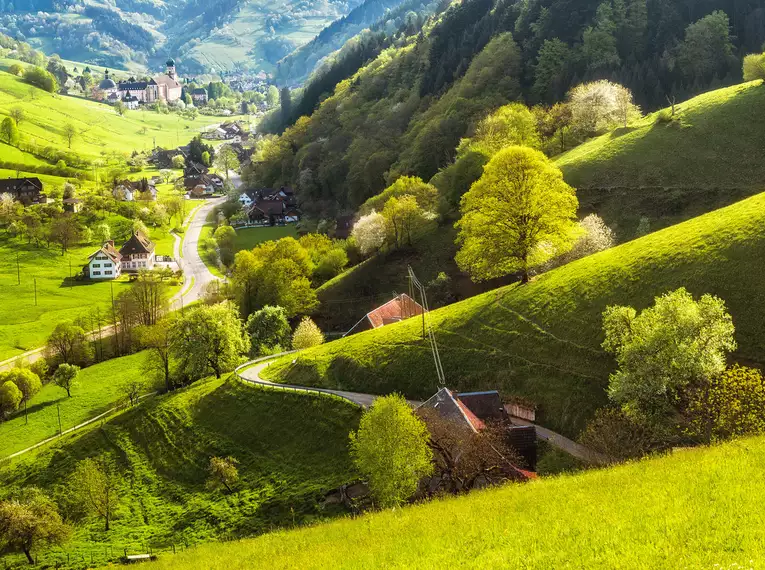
694, 509
292, 449
98, 390
708, 158
542, 340
248, 238
25, 325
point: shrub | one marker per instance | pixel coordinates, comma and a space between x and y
306, 335
754, 67
38, 77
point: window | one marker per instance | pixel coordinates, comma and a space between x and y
107, 272
96, 265
107, 265
96, 273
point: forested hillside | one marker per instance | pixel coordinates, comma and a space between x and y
406, 111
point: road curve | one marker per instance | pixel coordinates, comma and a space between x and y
250, 372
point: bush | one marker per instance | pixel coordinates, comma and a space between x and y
754, 67
38, 77
16, 69
306, 335
620, 437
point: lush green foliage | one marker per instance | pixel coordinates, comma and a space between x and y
98, 389
610, 518
269, 331
391, 450
664, 350
306, 335
519, 214
542, 340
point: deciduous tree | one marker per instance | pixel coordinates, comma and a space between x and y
31, 520
516, 216
306, 335
391, 449
209, 339
69, 344
403, 220
369, 232
223, 473
666, 349
9, 131
25, 380
66, 377
227, 160
96, 483
269, 330
10, 398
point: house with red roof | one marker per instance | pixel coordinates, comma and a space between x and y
397, 309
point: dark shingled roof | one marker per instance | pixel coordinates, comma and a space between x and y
138, 243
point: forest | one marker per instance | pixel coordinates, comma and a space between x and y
405, 110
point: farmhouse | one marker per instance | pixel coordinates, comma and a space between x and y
24, 190
475, 410
137, 253
104, 263
397, 309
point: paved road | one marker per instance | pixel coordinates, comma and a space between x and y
194, 269
364, 400
252, 375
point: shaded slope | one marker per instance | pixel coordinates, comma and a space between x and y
291, 450
639, 516
542, 340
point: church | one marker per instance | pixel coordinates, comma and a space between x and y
164, 87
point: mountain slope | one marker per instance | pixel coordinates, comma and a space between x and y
542, 340
291, 449
643, 515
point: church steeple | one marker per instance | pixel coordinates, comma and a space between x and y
171, 68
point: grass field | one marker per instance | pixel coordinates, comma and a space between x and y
640, 516
246, 238
292, 449
98, 126
97, 391
670, 172
542, 340
25, 325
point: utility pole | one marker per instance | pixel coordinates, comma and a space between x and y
18, 270
35, 291
58, 408
70, 272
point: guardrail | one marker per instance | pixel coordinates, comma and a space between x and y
286, 387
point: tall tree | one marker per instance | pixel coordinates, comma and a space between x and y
156, 339
516, 216
69, 343
66, 377
268, 329
209, 339
227, 160
9, 131
96, 483
677, 343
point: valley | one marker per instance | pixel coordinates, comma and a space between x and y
381, 283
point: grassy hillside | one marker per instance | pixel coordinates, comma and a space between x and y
669, 172
292, 449
98, 126
542, 340
98, 390
638, 516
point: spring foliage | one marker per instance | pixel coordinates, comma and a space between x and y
677, 343
391, 450
516, 216
306, 335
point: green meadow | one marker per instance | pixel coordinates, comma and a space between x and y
292, 449
26, 321
246, 238
542, 340
97, 390
639, 516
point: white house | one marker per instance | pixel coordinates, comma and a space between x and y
105, 263
123, 193
137, 253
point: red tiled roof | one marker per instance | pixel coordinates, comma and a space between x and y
397, 309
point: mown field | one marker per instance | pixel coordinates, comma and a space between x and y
643, 515
670, 172
246, 238
292, 449
98, 390
542, 340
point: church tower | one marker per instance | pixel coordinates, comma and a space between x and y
171, 68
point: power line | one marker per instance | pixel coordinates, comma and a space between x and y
414, 283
